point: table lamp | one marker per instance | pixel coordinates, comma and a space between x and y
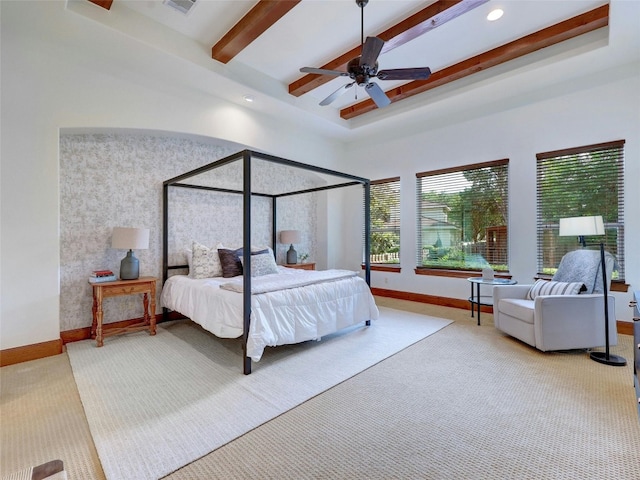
130, 238
290, 237
581, 227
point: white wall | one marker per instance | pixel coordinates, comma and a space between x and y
597, 111
52, 80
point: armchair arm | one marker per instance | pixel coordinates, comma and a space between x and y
510, 291
564, 322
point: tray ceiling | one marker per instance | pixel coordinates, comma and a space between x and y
261, 45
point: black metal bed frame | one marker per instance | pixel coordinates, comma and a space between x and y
246, 156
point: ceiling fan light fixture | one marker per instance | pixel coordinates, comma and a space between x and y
495, 14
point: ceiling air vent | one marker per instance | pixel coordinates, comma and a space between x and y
182, 6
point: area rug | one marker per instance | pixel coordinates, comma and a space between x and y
154, 404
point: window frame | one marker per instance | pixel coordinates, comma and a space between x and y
467, 271
547, 229
395, 216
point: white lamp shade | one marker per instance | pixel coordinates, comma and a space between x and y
581, 226
289, 236
130, 238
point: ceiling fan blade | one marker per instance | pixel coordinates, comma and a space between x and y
377, 94
370, 51
323, 71
404, 74
336, 94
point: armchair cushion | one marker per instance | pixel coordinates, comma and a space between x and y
518, 308
545, 287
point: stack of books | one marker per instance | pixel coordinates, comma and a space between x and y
99, 276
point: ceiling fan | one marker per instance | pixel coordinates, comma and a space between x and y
365, 67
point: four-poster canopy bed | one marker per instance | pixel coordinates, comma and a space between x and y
282, 313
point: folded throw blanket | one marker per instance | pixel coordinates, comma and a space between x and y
584, 266
283, 281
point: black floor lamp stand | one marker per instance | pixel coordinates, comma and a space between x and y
605, 357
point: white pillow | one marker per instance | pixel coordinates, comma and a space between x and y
549, 287
262, 264
205, 262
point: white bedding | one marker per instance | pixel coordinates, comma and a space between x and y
279, 317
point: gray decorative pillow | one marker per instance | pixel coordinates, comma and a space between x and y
205, 262
230, 261
262, 264
544, 287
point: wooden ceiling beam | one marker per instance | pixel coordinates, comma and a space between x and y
262, 16
429, 18
103, 3
573, 27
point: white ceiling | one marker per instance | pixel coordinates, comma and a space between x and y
316, 31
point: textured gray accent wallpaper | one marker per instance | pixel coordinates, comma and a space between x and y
115, 180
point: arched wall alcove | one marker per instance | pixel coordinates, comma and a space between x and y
113, 177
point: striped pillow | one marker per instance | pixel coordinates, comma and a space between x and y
546, 287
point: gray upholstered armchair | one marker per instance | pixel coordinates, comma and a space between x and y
552, 315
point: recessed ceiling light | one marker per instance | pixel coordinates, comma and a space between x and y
495, 14
249, 98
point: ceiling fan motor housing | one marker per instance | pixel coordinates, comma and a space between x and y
361, 73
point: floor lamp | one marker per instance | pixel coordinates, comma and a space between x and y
581, 227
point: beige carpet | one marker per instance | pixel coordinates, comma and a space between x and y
157, 403
41, 419
465, 403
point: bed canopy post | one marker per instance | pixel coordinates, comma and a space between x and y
367, 235
165, 233
165, 241
274, 226
246, 254
367, 232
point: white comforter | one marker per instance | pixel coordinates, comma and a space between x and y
279, 317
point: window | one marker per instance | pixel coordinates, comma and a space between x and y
575, 182
463, 217
385, 222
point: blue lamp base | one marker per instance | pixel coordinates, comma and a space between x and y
129, 267
292, 255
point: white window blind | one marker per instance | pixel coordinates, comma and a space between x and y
385, 221
462, 217
575, 182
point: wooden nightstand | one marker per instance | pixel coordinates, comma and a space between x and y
144, 285
301, 266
